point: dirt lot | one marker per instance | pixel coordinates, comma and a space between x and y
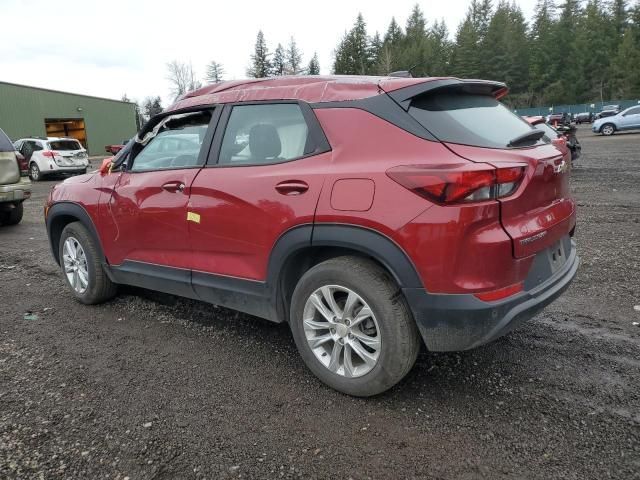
149, 386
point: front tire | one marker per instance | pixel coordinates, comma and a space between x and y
81, 264
608, 129
352, 326
34, 172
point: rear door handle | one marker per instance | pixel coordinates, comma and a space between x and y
292, 187
173, 187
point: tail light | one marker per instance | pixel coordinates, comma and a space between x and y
50, 154
458, 183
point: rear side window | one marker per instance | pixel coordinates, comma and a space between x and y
264, 134
468, 119
65, 145
5, 143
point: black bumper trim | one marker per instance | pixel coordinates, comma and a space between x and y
461, 322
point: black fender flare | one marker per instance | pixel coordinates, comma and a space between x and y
357, 238
372, 243
69, 210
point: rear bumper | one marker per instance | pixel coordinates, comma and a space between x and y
462, 322
15, 192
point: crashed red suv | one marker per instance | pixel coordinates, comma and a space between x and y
370, 213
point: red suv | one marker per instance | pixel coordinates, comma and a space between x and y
368, 212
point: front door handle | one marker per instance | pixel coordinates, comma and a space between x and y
173, 187
292, 187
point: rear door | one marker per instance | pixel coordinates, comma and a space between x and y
264, 177
479, 128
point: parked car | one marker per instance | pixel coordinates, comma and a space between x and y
559, 118
628, 119
563, 137
608, 111
370, 213
13, 188
584, 117
113, 149
46, 156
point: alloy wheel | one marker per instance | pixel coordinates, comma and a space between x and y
342, 331
607, 130
75, 265
35, 172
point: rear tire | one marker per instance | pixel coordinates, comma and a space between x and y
389, 335
608, 129
81, 264
34, 172
13, 216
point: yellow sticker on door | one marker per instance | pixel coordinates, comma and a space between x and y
193, 217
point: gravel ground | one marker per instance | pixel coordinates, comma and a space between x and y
155, 387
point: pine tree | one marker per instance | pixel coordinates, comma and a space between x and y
294, 58
375, 54
626, 64
465, 61
215, 72
352, 54
260, 61
542, 50
314, 65
279, 63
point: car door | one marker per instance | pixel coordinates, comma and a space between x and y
263, 178
146, 224
631, 118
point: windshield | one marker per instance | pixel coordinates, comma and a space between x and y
65, 145
469, 119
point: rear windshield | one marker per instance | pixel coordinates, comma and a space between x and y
64, 145
5, 143
468, 119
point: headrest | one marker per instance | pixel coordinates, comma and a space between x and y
264, 141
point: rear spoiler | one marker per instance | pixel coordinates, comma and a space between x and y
403, 96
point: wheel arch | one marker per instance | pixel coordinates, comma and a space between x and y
62, 214
300, 248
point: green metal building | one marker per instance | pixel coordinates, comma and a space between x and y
29, 111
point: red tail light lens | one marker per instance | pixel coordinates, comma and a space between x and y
458, 183
50, 154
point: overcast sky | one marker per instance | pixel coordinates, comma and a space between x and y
108, 48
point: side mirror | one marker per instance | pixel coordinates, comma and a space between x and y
105, 167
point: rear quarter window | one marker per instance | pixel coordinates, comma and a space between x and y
468, 119
64, 145
5, 143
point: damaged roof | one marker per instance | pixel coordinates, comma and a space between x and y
310, 88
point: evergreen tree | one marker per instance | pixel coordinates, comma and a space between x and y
215, 72
279, 63
294, 58
626, 64
352, 54
465, 61
542, 50
260, 61
375, 54
314, 65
